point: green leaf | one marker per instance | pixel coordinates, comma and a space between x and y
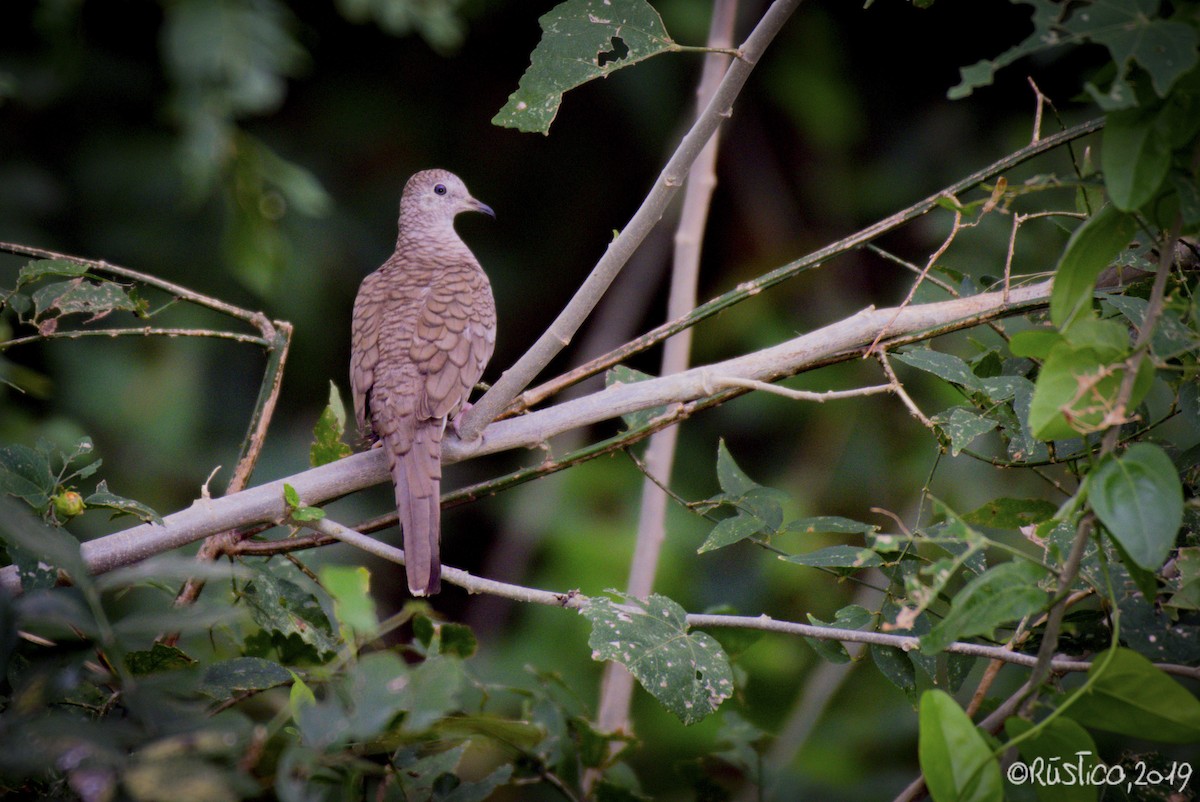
685, 671
1011, 513
896, 666
733, 480
1034, 343
1045, 16
836, 557
297, 511
79, 297
1139, 499
955, 759
962, 426
372, 692
1092, 247
38, 549
943, 365
281, 606
227, 678
1059, 741
417, 774
432, 691
1001, 594
40, 268
759, 510
25, 473
1109, 338
1077, 390
439, 24
327, 445
834, 524
350, 587
1128, 28
456, 640
1187, 585
121, 505
850, 617
1134, 156
620, 375
758, 513
581, 40
1132, 697
159, 657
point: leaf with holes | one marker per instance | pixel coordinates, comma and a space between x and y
685, 671
581, 40
40, 268
961, 426
1011, 513
120, 505
80, 297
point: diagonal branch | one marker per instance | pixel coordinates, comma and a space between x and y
516, 378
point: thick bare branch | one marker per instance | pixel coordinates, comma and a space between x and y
846, 339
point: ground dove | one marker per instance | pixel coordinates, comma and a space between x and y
424, 327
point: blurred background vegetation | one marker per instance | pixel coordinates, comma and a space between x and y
254, 150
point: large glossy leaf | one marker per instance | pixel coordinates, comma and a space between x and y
1132, 697
956, 760
1092, 247
1139, 499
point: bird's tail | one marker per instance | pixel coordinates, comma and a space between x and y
417, 477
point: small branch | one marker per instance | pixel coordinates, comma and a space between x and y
803, 395
137, 331
256, 435
256, 319
898, 388
957, 227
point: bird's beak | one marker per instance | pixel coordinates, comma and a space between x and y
473, 205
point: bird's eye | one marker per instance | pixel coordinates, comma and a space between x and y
440, 189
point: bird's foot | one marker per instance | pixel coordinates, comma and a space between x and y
456, 421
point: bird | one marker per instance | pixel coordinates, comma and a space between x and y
424, 327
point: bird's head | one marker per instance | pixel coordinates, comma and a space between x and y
432, 199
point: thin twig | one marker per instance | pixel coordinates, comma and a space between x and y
573, 600
135, 331
803, 395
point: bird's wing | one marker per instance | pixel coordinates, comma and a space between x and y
453, 339
364, 351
